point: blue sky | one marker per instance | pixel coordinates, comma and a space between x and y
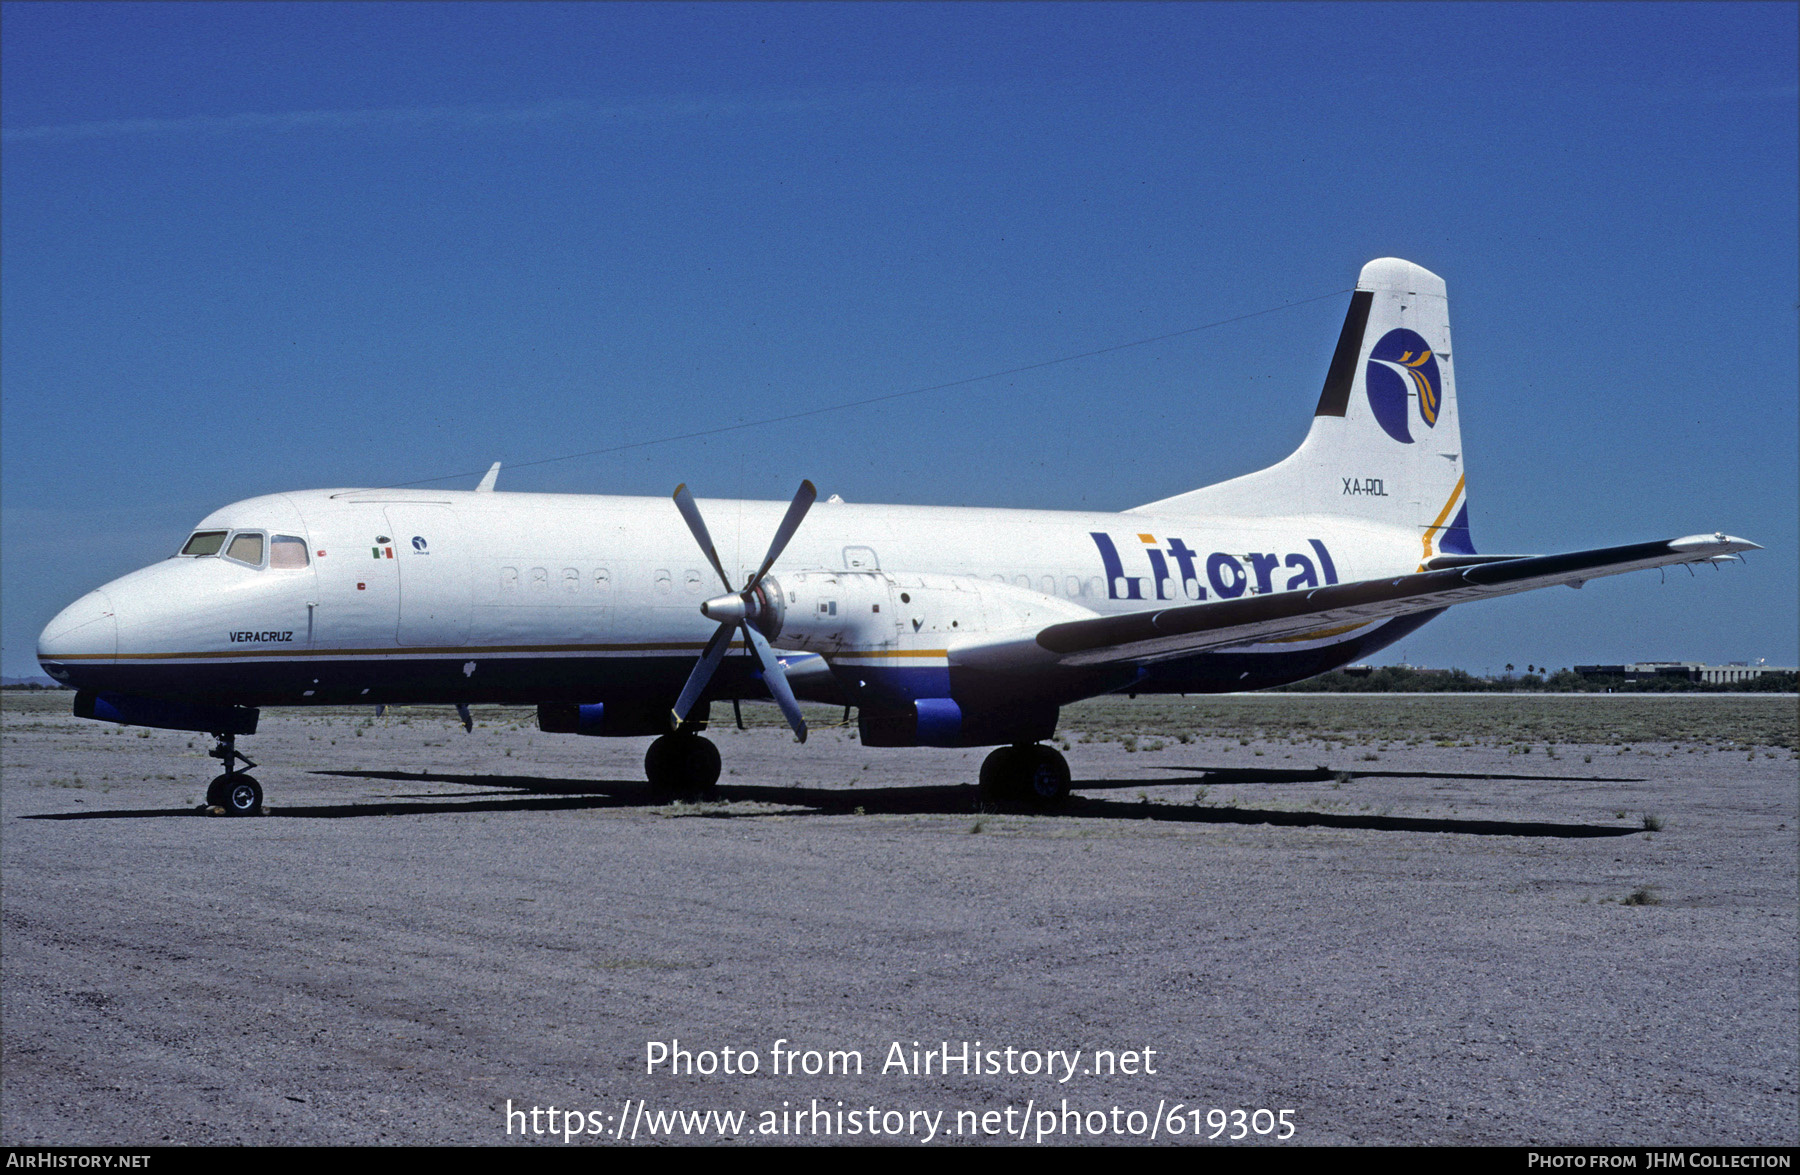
251, 248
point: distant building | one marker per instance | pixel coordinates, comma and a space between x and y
1695, 671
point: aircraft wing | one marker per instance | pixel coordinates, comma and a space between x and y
1179, 631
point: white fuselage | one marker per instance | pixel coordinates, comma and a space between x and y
472, 596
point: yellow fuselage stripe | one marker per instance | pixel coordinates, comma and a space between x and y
1320, 635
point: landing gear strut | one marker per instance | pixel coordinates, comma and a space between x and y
234, 791
683, 764
1031, 772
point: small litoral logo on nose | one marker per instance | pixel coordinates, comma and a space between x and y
419, 543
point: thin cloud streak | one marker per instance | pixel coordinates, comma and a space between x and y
453, 117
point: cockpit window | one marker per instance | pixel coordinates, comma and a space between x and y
287, 551
246, 546
204, 542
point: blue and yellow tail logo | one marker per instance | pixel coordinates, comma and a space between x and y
1402, 366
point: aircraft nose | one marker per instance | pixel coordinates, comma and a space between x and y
86, 628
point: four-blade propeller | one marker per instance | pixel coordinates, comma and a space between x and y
753, 610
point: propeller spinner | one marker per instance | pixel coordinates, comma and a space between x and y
746, 610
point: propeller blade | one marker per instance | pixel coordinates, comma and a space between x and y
796, 511
690, 513
703, 671
776, 679
730, 610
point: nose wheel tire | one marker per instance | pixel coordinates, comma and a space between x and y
683, 765
1028, 772
237, 793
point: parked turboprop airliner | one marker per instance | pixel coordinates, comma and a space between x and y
943, 627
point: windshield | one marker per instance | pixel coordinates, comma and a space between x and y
246, 547
204, 542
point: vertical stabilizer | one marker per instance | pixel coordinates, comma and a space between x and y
1385, 445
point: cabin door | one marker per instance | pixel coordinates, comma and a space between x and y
433, 563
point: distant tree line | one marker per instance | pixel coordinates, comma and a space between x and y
1393, 679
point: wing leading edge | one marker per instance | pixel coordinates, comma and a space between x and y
1192, 628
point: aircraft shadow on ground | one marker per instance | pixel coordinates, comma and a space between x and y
1211, 775
526, 793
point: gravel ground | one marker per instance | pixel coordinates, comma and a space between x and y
1521, 944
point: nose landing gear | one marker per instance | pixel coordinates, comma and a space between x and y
1028, 772
234, 791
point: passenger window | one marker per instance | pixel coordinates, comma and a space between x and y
602, 579
204, 542
571, 580
246, 547
286, 551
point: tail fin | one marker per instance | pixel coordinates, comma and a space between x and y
1385, 445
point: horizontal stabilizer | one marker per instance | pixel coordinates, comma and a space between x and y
1176, 632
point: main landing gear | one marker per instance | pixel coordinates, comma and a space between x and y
234, 791
1028, 772
683, 764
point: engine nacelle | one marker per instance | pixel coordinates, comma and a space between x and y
942, 722
613, 720
892, 642
831, 612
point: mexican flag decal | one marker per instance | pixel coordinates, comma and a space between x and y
381, 550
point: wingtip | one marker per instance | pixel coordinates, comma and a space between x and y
1717, 543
